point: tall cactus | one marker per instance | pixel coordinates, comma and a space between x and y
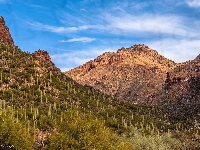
54, 106
17, 117
41, 96
1, 77
1, 104
46, 100
49, 112
50, 74
37, 80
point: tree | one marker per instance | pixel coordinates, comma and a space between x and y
13, 134
78, 132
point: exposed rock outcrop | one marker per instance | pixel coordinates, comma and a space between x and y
140, 75
135, 74
43, 55
5, 37
182, 98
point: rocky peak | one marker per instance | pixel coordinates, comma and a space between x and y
5, 37
135, 74
43, 55
136, 47
140, 47
2, 20
198, 57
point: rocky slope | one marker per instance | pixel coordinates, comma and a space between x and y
34, 94
5, 37
40, 55
45, 58
134, 74
140, 75
39, 104
40, 107
182, 96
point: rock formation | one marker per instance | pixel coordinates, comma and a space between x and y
135, 74
43, 55
182, 97
5, 37
140, 75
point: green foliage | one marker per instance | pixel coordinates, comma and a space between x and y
44, 99
78, 131
13, 133
155, 141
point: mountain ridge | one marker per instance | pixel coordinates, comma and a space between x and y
140, 75
6, 38
136, 62
41, 108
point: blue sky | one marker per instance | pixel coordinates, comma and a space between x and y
75, 31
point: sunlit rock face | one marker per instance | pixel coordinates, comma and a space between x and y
140, 75
5, 37
135, 74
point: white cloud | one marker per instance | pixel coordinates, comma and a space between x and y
179, 41
174, 49
82, 9
131, 24
36, 6
138, 5
177, 50
72, 59
82, 39
49, 28
193, 3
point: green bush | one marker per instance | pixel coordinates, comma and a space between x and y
13, 133
152, 141
84, 132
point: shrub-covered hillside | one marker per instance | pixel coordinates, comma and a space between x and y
41, 108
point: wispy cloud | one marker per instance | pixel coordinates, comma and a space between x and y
163, 24
36, 6
193, 3
176, 50
4, 1
136, 5
61, 29
71, 59
82, 9
82, 39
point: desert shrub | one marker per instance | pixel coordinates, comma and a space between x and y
84, 132
13, 135
153, 141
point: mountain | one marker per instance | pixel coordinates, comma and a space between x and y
39, 105
140, 75
182, 96
4, 33
135, 74
42, 108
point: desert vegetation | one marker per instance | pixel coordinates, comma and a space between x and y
41, 108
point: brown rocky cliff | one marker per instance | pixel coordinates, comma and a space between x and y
140, 75
135, 74
182, 95
5, 37
44, 56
